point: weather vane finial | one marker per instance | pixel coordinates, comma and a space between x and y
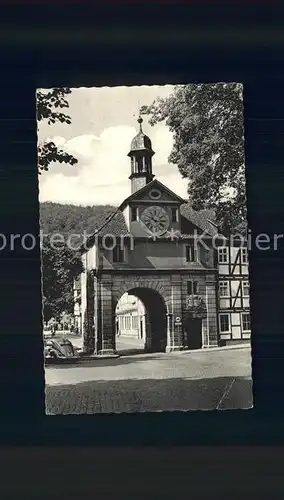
140, 119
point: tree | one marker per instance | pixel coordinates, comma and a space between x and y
48, 105
207, 125
60, 267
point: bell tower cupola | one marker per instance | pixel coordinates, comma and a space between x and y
140, 154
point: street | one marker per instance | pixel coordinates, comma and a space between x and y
201, 380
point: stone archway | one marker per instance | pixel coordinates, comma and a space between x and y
161, 298
155, 299
155, 323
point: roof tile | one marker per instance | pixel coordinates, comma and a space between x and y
116, 226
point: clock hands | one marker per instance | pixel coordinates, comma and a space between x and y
155, 219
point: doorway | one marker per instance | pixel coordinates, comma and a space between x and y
193, 329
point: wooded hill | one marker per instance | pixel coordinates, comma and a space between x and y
72, 219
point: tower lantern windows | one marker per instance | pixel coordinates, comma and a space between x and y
141, 154
140, 165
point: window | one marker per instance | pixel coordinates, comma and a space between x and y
191, 254
140, 165
118, 254
127, 323
224, 288
244, 254
192, 287
147, 164
223, 255
224, 323
135, 322
246, 322
134, 213
245, 289
155, 194
174, 214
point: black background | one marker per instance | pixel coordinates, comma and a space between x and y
94, 45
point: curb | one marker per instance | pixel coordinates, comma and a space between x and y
192, 351
214, 349
95, 357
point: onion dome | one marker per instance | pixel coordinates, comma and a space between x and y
141, 141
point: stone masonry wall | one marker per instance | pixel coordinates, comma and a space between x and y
172, 288
114, 286
106, 325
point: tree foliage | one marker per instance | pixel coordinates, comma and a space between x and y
72, 219
60, 267
49, 104
207, 125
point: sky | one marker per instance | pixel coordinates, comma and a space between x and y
104, 121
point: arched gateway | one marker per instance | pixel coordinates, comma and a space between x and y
154, 246
157, 317
160, 334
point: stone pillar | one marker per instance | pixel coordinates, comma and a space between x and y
170, 333
174, 333
210, 324
205, 337
89, 314
106, 323
147, 331
142, 327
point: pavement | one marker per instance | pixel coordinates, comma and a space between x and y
198, 380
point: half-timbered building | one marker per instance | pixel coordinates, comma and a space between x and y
234, 296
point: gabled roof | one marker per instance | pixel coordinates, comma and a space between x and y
115, 224
202, 219
150, 185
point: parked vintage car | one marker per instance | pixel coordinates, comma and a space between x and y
59, 351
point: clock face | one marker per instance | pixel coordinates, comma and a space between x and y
155, 219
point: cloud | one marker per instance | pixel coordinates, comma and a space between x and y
58, 140
101, 175
82, 145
